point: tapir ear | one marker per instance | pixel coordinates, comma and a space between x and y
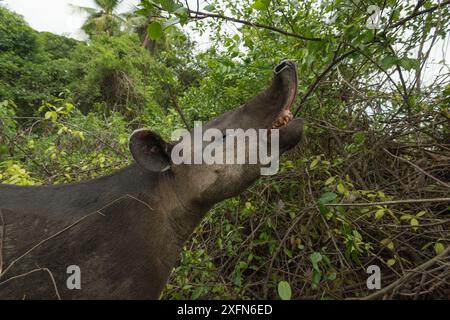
149, 150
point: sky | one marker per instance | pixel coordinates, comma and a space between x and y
58, 16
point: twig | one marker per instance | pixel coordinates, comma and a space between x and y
33, 271
382, 203
45, 240
180, 112
201, 15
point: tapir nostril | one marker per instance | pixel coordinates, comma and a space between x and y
286, 64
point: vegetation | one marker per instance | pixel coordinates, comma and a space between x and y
369, 185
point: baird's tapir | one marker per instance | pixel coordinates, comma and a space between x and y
125, 231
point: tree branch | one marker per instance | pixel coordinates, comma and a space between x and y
202, 15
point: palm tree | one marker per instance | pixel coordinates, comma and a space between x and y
102, 18
138, 21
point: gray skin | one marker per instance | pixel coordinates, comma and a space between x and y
125, 230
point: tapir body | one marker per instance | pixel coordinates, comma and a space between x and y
124, 232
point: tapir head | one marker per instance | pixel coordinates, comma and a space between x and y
267, 117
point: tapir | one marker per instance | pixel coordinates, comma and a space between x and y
119, 236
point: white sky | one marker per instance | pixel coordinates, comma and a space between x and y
59, 17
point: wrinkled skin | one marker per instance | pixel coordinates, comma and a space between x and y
125, 231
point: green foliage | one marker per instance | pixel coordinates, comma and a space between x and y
284, 290
155, 30
34, 66
15, 35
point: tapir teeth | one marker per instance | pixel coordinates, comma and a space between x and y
283, 119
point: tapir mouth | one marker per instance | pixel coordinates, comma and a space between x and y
285, 115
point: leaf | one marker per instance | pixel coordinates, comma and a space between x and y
155, 30
359, 137
168, 5
284, 290
340, 188
259, 5
328, 197
316, 277
316, 257
391, 262
388, 61
314, 164
329, 181
51, 115
379, 214
414, 222
181, 11
322, 208
439, 248
387, 243
421, 213
197, 293
209, 8
408, 63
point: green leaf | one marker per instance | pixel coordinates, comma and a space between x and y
316, 257
391, 262
379, 214
209, 8
421, 213
51, 115
181, 11
155, 30
328, 197
284, 290
387, 243
329, 181
408, 63
388, 61
439, 248
340, 188
316, 277
197, 293
322, 208
168, 5
314, 163
259, 5
359, 137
